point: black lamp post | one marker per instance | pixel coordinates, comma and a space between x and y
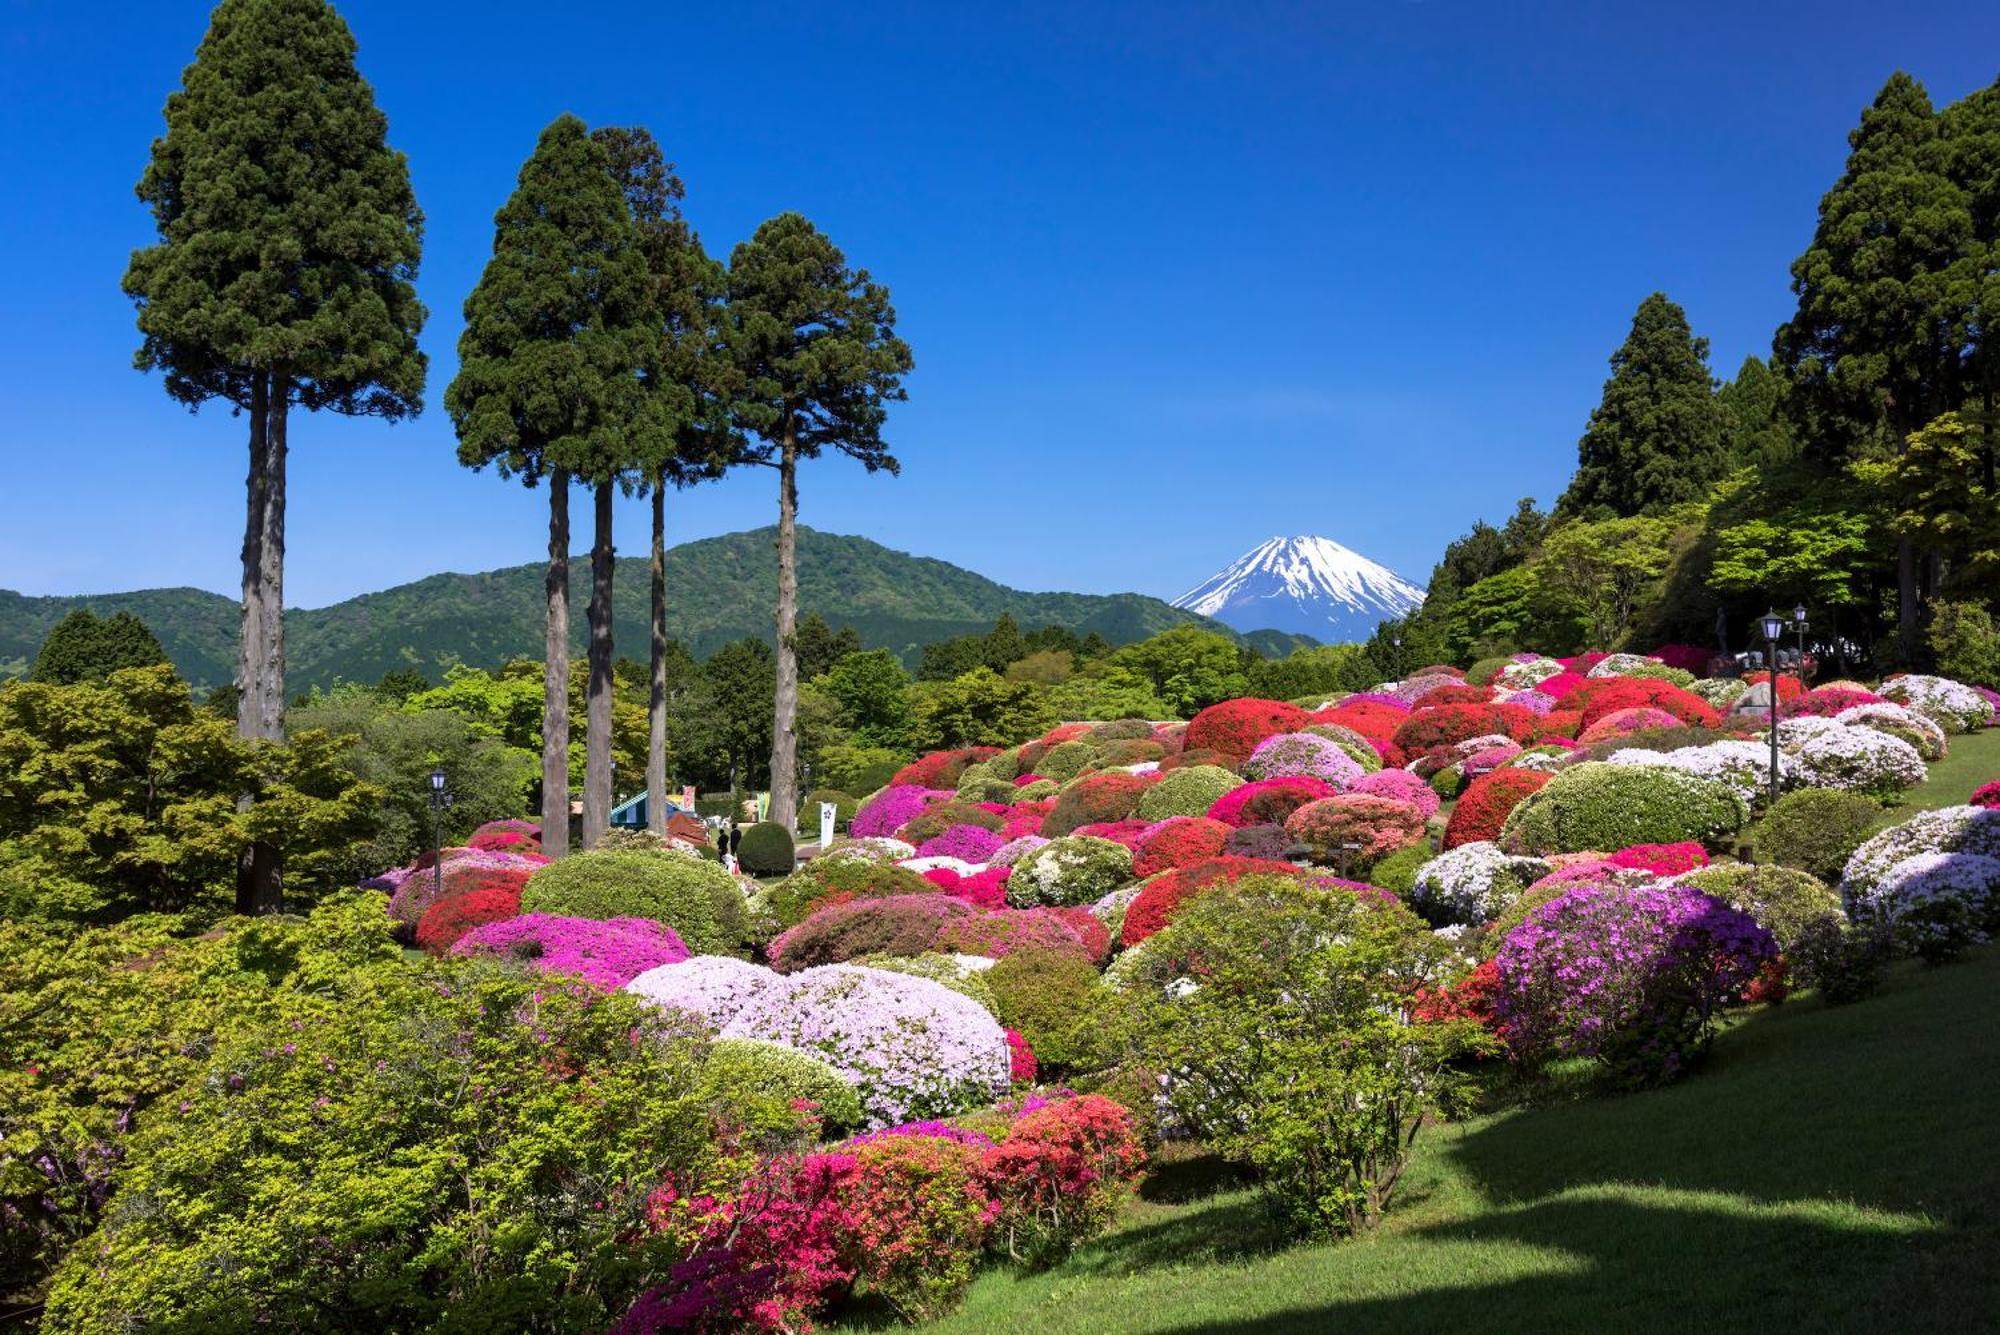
1799, 625
440, 800
1773, 627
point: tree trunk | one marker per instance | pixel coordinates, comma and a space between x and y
260, 674
656, 700
555, 677
597, 702
1906, 595
785, 709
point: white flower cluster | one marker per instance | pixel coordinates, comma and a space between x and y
958, 865
1721, 692
1744, 765
1618, 665
1898, 721
1860, 760
1973, 830
1794, 733
1546, 761
1952, 705
876, 848
1932, 880
1472, 883
1524, 676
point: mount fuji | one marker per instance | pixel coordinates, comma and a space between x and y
1312, 586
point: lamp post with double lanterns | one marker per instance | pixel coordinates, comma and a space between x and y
1799, 625
1773, 627
440, 803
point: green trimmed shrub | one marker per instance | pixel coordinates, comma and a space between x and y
791, 900
1187, 792
980, 784
1815, 830
1050, 997
1602, 807
1680, 677
1485, 670
767, 850
1397, 873
1065, 760
1785, 902
742, 1072
1037, 791
1075, 869
940, 969
1517, 913
1122, 730
698, 899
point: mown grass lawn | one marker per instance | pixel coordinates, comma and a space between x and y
1970, 761
1827, 1169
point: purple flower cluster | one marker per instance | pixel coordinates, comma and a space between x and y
892, 808
1399, 785
937, 1129
913, 1048
968, 843
1302, 754
1635, 976
606, 953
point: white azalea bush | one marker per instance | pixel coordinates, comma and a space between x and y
1744, 765
1954, 706
1472, 884
1898, 721
1935, 878
1860, 760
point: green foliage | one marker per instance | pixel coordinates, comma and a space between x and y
1075, 869
1760, 435
345, 1105
858, 769
1187, 792
1601, 574
980, 708
1601, 807
1051, 997
742, 676
1188, 668
698, 899
1293, 1054
873, 692
742, 1072
1817, 549
1784, 902
275, 147
1963, 640
1321, 671
1815, 830
1108, 692
1845, 962
941, 969
1397, 873
766, 850
84, 648
121, 796
1659, 437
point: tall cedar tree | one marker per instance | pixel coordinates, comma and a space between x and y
1969, 132
1658, 437
85, 647
685, 435
1873, 351
285, 272
556, 334
814, 343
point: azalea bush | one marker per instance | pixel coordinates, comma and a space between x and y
902, 925
709, 988
1235, 727
1486, 803
604, 952
1358, 827
1472, 883
695, 897
1187, 791
1268, 801
1056, 1177
1603, 806
1076, 869
1178, 842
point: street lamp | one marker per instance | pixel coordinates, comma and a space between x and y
440, 800
1773, 627
1799, 625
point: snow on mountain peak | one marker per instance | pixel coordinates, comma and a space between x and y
1304, 584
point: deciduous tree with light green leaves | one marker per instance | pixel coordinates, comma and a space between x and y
284, 274
981, 708
1604, 573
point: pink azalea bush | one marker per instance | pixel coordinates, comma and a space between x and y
604, 952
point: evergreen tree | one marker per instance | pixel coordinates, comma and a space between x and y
1658, 437
821, 646
1873, 351
284, 272
556, 334
815, 346
741, 675
1760, 435
685, 434
1004, 643
1969, 134
83, 647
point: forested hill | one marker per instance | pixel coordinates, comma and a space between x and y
719, 589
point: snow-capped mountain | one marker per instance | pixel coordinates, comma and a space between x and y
1313, 586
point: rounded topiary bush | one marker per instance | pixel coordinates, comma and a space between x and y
999, 934
1602, 806
1397, 873
1268, 801
1076, 869
447, 920
698, 899
1290, 754
1447, 725
1186, 792
1787, 903
934, 820
844, 807
710, 988
1093, 800
1358, 748
1815, 830
1356, 828
836, 933
1050, 998
839, 878
1178, 842
767, 850
743, 1072
460, 873
950, 970
1472, 884
1234, 727
889, 810
1160, 898
942, 769
1065, 760
605, 952
1487, 802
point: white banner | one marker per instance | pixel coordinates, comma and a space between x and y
825, 826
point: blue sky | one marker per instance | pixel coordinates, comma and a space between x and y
1177, 278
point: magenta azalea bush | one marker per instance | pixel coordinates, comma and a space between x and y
1636, 977
913, 1048
1399, 785
605, 952
967, 843
892, 808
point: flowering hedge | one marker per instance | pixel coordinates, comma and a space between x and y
1987, 794
1234, 727
941, 769
1661, 859
1292, 754
889, 810
697, 898
1472, 883
1898, 721
970, 843
1486, 803
1056, 1177
1448, 724
1953, 706
1160, 898
1787, 903
999, 934
1179, 842
1268, 801
714, 988
1599, 696
607, 953
1861, 760
903, 925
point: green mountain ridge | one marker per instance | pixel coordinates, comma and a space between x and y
718, 589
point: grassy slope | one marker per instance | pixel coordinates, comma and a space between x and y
1970, 761
1828, 1169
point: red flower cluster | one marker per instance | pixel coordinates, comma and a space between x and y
1447, 725
1094, 799
1179, 842
1486, 803
1156, 905
942, 769
449, 919
1987, 794
1268, 801
1236, 726
1124, 832
1021, 1063
1453, 695
1661, 859
985, 889
1054, 1177
1607, 695
1470, 998
1789, 687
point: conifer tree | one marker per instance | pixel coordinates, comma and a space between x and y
86, 647
1658, 437
284, 274
556, 334
815, 346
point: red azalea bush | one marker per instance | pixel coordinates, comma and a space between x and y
1625, 722
1827, 701
904, 925
941, 769
1179, 842
1236, 726
935, 819
1094, 935
1789, 687
1562, 685
997, 935
1470, 998
1661, 859
1094, 799
1486, 802
1268, 801
449, 919
1378, 825
504, 841
1607, 695
1987, 794
1056, 1176
1124, 832
1453, 695
1161, 898
917, 1219
1021, 1063
1064, 732
421, 889
983, 890
1021, 821
1556, 725
1200, 755
1448, 725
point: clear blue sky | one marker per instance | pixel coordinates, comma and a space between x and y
1177, 278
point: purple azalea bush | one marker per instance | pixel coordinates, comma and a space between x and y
1302, 755
892, 808
968, 843
1636, 977
913, 1048
606, 953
